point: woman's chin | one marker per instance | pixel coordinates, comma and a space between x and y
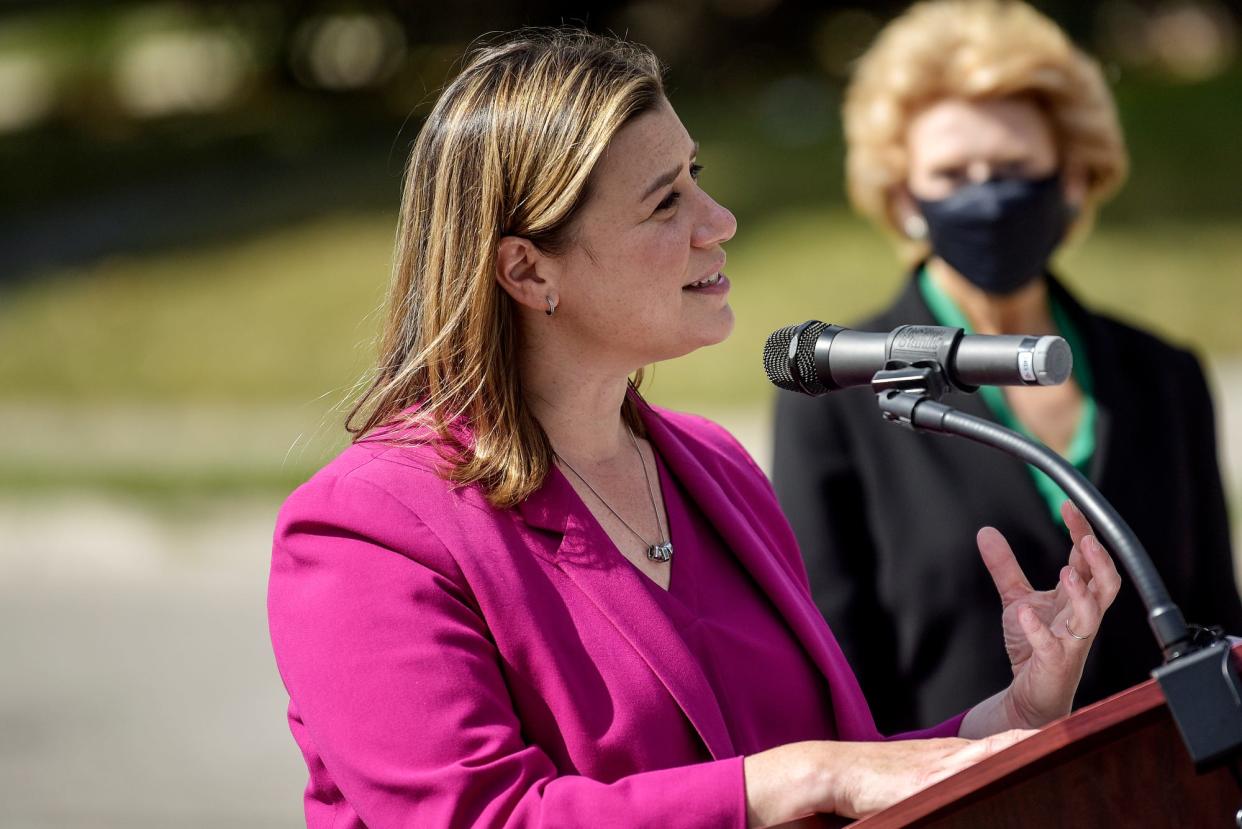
726, 324
706, 334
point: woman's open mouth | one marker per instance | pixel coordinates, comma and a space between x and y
715, 283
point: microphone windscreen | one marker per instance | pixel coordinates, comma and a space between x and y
789, 358
776, 362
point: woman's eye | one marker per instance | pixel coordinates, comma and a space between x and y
669, 201
672, 198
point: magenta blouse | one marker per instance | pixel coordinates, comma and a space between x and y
768, 690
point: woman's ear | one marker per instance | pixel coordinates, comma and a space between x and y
906, 215
525, 273
1075, 182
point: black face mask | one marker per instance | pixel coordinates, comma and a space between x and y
1001, 233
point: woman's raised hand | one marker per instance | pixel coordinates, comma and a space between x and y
1048, 633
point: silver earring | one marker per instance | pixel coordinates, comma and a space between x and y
915, 227
551, 306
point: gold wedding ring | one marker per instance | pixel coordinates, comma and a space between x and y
1070, 631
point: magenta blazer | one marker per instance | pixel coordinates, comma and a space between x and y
451, 664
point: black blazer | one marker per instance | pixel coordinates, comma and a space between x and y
886, 520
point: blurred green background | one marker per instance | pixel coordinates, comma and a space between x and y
197, 208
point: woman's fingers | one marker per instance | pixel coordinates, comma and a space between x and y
1089, 558
873, 776
998, 557
1079, 529
986, 747
1037, 633
975, 751
1105, 580
1084, 615
1075, 521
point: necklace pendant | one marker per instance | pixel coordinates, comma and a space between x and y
661, 552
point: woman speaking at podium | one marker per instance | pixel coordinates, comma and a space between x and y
524, 596
980, 137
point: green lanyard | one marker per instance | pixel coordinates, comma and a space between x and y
1082, 445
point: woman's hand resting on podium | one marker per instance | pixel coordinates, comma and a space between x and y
1048, 633
855, 779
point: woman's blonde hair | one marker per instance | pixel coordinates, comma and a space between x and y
508, 150
975, 50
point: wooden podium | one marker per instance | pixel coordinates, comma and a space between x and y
1118, 763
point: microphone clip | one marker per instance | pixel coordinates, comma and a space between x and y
901, 386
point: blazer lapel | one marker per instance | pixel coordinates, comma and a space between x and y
588, 557
740, 514
1109, 394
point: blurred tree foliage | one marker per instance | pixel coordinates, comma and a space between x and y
759, 82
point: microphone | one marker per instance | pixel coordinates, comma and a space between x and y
814, 358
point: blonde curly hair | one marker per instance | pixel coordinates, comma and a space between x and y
974, 50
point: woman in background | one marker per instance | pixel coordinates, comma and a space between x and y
523, 596
981, 137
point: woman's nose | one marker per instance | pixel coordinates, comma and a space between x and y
716, 224
979, 172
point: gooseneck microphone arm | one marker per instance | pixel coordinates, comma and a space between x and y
911, 367
1200, 680
925, 414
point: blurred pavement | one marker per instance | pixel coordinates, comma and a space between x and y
139, 688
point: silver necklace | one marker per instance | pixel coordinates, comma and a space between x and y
661, 551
